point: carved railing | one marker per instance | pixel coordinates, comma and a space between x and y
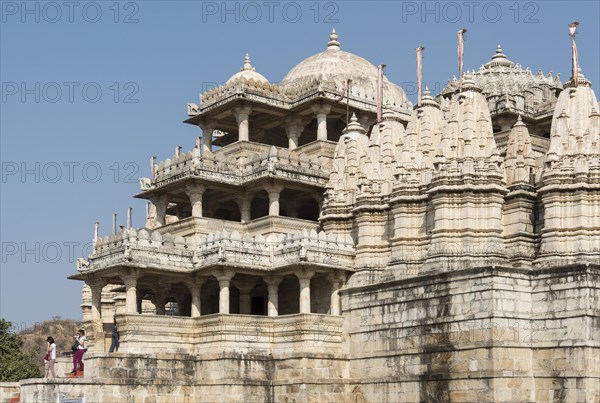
237, 164
288, 95
151, 248
275, 251
141, 247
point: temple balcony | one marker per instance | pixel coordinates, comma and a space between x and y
218, 333
243, 163
151, 251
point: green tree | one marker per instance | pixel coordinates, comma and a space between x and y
14, 363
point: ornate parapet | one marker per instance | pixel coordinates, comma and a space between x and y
275, 251
240, 163
141, 247
285, 96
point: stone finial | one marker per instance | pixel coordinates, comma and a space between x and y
519, 122
247, 64
333, 41
353, 127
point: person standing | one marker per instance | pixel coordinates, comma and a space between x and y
114, 340
79, 351
50, 358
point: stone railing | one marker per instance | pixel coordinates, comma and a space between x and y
289, 95
152, 249
275, 251
217, 333
141, 247
237, 164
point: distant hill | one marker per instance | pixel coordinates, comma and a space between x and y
62, 330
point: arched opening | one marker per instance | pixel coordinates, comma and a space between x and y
309, 210
298, 204
229, 211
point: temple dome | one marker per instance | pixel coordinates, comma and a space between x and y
247, 73
336, 66
507, 85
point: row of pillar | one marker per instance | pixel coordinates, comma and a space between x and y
195, 192
224, 279
293, 126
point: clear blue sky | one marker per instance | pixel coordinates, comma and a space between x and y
150, 58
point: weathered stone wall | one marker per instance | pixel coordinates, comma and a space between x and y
478, 335
207, 378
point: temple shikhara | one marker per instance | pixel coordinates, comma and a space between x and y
327, 240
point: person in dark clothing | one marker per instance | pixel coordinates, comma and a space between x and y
114, 340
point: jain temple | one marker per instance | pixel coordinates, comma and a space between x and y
323, 243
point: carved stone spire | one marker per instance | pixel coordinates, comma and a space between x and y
519, 161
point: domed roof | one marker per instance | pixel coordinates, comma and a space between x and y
337, 66
501, 77
247, 72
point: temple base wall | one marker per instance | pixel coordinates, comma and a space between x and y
486, 335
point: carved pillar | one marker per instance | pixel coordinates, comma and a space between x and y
195, 193
160, 204
336, 284
304, 279
244, 203
96, 285
242, 116
321, 110
274, 192
130, 281
273, 287
195, 287
224, 280
245, 298
207, 128
161, 293
293, 127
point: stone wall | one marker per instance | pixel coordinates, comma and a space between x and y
488, 334
192, 378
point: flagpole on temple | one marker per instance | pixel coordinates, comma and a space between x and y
461, 41
380, 91
574, 55
419, 73
129, 212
